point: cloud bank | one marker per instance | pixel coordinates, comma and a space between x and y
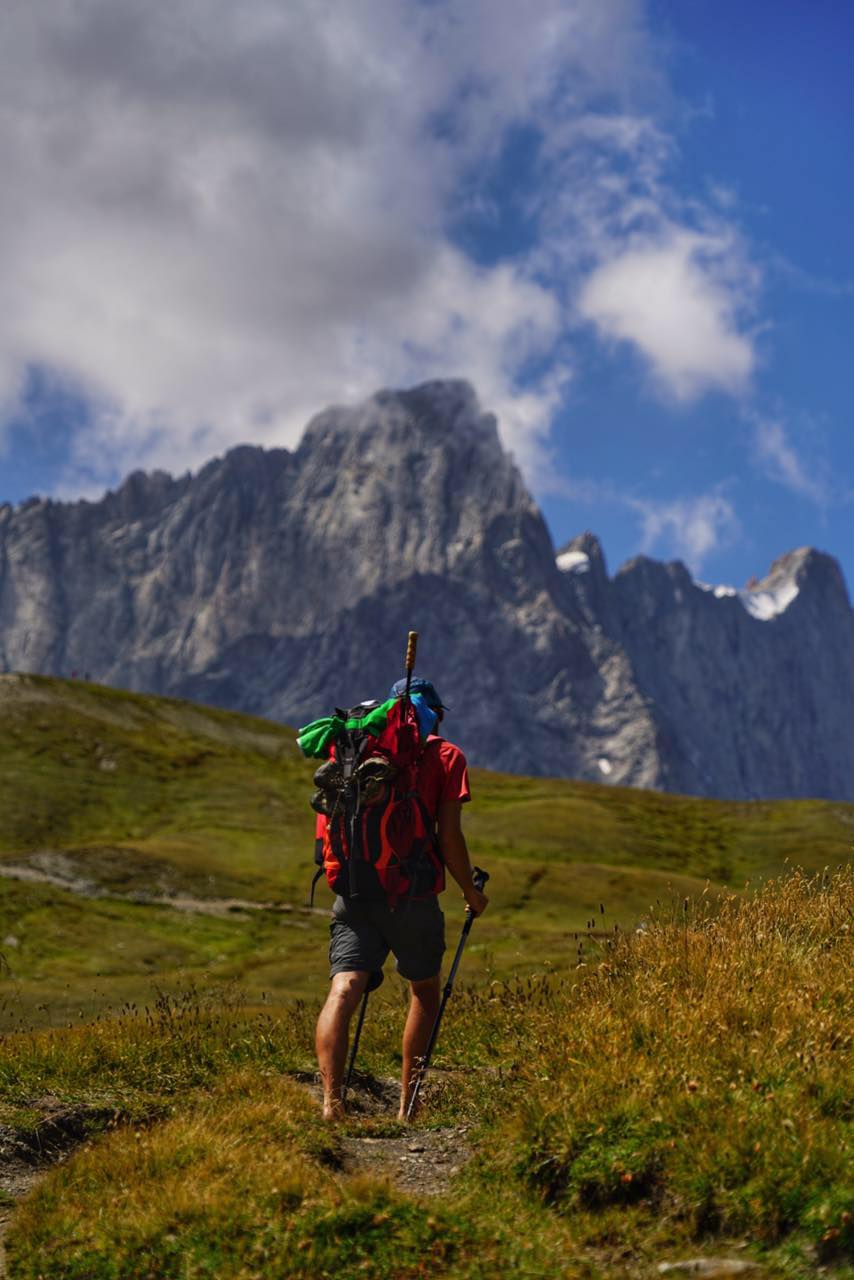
218, 219
784, 465
673, 299
690, 529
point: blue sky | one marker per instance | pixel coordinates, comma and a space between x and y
627, 223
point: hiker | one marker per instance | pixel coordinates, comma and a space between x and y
365, 929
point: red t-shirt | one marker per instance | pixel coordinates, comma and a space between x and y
442, 776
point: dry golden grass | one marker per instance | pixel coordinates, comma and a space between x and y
703, 1071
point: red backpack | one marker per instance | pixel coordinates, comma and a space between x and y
376, 839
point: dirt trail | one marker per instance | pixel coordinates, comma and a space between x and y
419, 1161
25, 1156
422, 1162
49, 867
16, 1178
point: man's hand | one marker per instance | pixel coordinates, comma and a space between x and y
476, 901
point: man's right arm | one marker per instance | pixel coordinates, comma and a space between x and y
452, 844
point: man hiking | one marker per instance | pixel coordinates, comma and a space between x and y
365, 929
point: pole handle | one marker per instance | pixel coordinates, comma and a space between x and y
478, 879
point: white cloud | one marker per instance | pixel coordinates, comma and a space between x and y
782, 463
688, 528
219, 218
808, 281
648, 265
674, 297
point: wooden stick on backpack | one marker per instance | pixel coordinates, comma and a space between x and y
411, 646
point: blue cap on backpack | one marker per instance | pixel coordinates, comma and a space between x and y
426, 688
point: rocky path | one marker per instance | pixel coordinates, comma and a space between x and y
419, 1161
422, 1162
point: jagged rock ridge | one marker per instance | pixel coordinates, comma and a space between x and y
282, 582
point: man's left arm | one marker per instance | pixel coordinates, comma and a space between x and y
454, 850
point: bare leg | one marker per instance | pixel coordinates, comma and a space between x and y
331, 1040
416, 1034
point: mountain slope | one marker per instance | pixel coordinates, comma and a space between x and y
144, 839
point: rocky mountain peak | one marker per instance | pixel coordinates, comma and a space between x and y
409, 481
415, 439
282, 582
806, 572
141, 495
584, 587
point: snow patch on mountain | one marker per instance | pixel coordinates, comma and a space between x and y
766, 605
761, 603
573, 562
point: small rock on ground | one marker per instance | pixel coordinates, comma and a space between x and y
707, 1268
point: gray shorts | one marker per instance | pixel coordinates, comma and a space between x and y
363, 933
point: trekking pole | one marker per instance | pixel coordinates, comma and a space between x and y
479, 879
355, 1048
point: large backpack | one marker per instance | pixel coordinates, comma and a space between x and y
377, 840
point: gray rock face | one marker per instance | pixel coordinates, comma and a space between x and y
284, 583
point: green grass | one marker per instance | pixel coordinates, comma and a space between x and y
143, 794
726, 842
76, 957
688, 1096
150, 789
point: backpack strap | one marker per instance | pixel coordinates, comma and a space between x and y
318, 873
318, 859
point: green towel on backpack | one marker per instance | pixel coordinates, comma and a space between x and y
314, 738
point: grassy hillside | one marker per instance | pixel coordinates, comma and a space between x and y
138, 796
687, 1097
